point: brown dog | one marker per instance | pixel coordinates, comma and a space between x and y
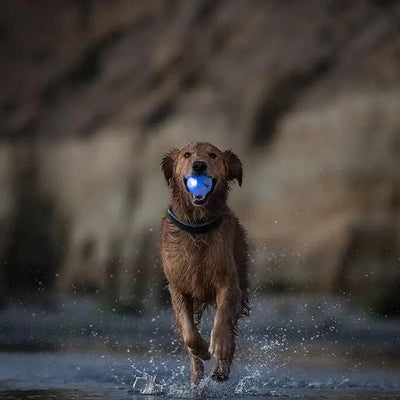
204, 254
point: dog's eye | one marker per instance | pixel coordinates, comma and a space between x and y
212, 155
187, 155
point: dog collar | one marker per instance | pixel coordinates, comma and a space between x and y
204, 227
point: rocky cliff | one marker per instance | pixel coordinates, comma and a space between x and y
94, 92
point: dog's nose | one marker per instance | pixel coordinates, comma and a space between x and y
199, 166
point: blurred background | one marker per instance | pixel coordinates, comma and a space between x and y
93, 92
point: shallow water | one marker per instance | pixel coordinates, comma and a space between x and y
287, 349
95, 376
110, 395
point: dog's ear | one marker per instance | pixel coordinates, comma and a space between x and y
167, 164
233, 166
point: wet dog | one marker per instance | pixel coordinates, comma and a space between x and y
204, 254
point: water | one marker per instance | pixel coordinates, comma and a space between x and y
313, 349
83, 376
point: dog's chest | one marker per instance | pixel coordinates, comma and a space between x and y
198, 265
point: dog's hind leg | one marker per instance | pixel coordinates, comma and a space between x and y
186, 327
196, 363
196, 370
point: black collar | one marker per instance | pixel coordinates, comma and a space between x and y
204, 227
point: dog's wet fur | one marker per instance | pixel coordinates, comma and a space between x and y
207, 268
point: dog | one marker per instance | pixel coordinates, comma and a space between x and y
204, 254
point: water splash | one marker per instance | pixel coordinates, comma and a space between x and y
260, 373
171, 378
250, 384
271, 359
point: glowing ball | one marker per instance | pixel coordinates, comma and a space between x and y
199, 185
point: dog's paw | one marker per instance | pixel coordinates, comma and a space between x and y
221, 371
221, 344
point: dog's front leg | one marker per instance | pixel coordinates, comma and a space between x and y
222, 344
189, 334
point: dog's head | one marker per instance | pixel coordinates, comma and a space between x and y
197, 159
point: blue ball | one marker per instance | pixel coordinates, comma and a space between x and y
199, 185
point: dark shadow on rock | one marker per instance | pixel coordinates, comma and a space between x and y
36, 246
282, 97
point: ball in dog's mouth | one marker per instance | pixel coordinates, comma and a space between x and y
199, 186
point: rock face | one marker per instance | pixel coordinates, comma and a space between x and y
307, 93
